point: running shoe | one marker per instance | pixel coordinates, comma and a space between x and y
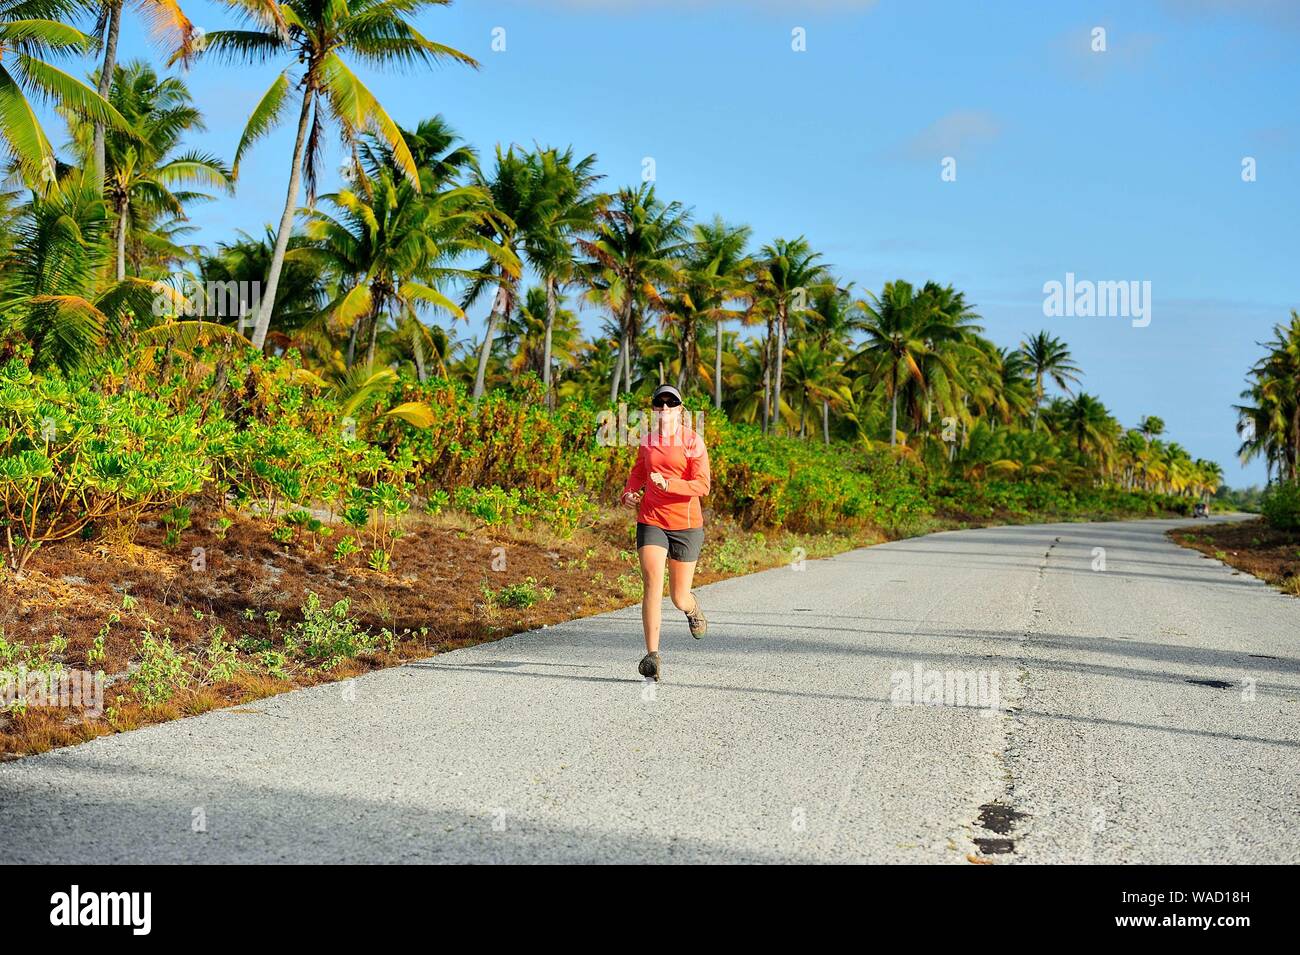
649, 666
699, 626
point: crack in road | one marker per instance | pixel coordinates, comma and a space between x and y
999, 815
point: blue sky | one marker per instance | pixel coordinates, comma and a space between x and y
1115, 165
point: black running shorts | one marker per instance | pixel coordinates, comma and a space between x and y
681, 545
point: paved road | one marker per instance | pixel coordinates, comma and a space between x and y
779, 738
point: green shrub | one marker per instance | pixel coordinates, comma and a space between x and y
221, 657
176, 520
73, 455
162, 670
327, 635
1280, 505
345, 548
519, 596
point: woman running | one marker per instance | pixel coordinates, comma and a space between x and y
670, 477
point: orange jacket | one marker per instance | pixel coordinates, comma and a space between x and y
684, 460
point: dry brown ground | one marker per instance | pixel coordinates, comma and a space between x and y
1271, 555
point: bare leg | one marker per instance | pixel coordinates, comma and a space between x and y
680, 575
652, 594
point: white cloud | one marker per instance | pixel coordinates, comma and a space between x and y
1124, 51
954, 134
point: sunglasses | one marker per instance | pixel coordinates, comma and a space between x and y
667, 401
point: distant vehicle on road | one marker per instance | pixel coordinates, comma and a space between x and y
1201, 509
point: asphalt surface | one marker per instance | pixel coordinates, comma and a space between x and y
783, 736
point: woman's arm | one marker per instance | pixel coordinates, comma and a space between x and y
697, 480
637, 479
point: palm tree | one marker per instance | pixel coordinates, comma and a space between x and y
956, 365
1133, 451
522, 204
1257, 426
1271, 424
746, 395
569, 211
1178, 467
541, 330
391, 246
1001, 391
316, 35
1048, 356
863, 416
31, 31
170, 26
1086, 422
1151, 427
830, 320
300, 295
141, 170
589, 379
442, 158
658, 356
817, 377
634, 252
714, 272
444, 162
788, 275
50, 282
1209, 475
904, 328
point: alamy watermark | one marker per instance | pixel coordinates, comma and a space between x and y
966, 688
194, 298
75, 907
1088, 299
66, 689
633, 427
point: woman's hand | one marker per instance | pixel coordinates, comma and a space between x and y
658, 480
631, 499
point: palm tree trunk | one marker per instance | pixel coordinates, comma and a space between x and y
165, 366
417, 346
688, 354
893, 409
826, 422
263, 323
627, 366
374, 334
218, 382
552, 305
618, 368
767, 376
767, 393
106, 69
121, 240
1295, 441
499, 307
780, 354
352, 344
717, 365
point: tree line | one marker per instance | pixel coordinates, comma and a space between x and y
379, 274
